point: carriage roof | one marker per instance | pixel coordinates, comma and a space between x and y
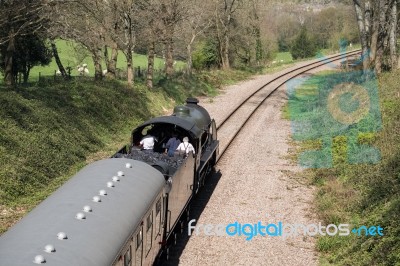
96, 239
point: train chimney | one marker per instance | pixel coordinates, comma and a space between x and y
192, 101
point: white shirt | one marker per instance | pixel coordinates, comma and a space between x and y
147, 142
186, 146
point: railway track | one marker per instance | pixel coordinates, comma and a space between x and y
228, 130
231, 126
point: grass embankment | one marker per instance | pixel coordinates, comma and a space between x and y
49, 132
361, 194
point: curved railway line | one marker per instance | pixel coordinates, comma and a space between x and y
245, 110
228, 130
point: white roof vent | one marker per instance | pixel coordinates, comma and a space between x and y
96, 199
120, 173
80, 216
115, 178
62, 235
87, 208
102, 192
39, 259
49, 248
110, 184
128, 165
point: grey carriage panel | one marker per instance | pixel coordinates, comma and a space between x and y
97, 239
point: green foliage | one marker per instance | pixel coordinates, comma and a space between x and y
365, 194
303, 46
203, 83
362, 194
283, 44
206, 55
30, 51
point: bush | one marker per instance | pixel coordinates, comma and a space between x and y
303, 46
206, 55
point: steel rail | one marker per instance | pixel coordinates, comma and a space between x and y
305, 67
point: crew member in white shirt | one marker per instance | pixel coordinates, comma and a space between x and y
185, 146
147, 142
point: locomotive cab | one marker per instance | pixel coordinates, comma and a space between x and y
190, 120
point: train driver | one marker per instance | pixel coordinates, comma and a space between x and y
186, 146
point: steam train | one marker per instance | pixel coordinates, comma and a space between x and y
122, 210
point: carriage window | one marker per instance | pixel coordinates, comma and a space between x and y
158, 206
158, 218
149, 232
128, 257
139, 248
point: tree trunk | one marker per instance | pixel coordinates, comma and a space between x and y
9, 76
189, 54
129, 66
374, 39
106, 59
363, 33
367, 20
189, 62
150, 65
393, 35
58, 61
220, 42
25, 74
169, 59
98, 72
382, 34
225, 58
112, 63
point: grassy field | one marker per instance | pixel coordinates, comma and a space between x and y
355, 193
283, 57
72, 55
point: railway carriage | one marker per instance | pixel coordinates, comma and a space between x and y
122, 210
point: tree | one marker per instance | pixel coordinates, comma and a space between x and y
172, 13
78, 22
224, 12
327, 32
377, 25
206, 54
19, 18
30, 51
197, 20
150, 28
303, 46
246, 40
